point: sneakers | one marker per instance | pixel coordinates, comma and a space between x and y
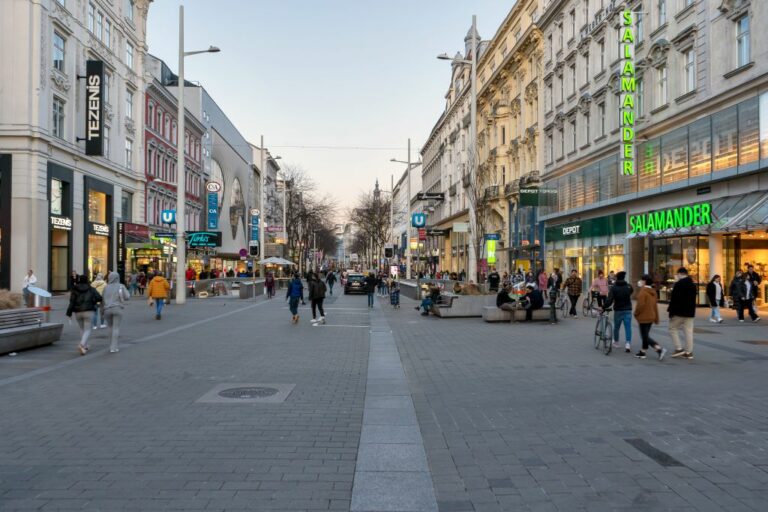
314, 321
719, 320
83, 350
713, 320
678, 353
322, 320
615, 344
640, 355
111, 351
103, 326
662, 353
688, 355
96, 327
157, 317
756, 320
627, 348
742, 321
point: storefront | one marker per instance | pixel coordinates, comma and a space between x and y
5, 221
60, 186
98, 227
587, 246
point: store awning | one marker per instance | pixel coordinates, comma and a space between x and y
741, 213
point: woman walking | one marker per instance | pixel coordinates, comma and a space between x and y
716, 298
316, 297
83, 302
98, 319
269, 282
647, 314
158, 292
142, 282
600, 288
114, 296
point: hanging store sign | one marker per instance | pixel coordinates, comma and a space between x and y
203, 239
94, 107
419, 220
98, 229
672, 218
63, 223
490, 249
628, 90
168, 216
422, 234
492, 236
255, 220
213, 208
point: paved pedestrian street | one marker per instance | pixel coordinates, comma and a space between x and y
380, 410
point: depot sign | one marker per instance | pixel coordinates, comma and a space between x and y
672, 218
628, 90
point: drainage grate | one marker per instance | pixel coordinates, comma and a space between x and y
660, 457
247, 393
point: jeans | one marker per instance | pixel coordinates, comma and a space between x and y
574, 301
624, 317
426, 305
293, 305
113, 317
748, 305
645, 334
159, 303
552, 311
715, 314
317, 304
370, 299
686, 324
330, 287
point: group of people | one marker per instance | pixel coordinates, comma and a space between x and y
316, 293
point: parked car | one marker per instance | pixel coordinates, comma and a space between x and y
355, 284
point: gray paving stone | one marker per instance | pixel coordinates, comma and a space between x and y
391, 457
386, 434
412, 492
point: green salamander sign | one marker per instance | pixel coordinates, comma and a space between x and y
628, 89
673, 218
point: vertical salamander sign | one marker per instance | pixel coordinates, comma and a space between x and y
628, 90
94, 111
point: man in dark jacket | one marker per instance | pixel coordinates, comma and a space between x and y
370, 287
293, 295
742, 293
682, 312
493, 280
316, 298
533, 300
330, 280
754, 279
83, 302
620, 297
504, 301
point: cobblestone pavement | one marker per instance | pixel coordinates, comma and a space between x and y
531, 417
125, 431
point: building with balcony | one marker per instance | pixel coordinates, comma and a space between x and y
695, 190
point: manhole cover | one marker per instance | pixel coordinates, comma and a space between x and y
247, 393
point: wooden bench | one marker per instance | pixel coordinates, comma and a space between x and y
24, 328
494, 314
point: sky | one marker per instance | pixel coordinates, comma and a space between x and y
335, 86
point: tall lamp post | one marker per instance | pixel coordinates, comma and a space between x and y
408, 209
181, 175
472, 63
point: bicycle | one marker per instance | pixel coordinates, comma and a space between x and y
562, 304
604, 332
589, 306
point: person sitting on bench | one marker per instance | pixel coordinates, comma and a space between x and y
533, 300
504, 301
430, 300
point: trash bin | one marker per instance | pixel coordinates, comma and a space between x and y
42, 301
246, 289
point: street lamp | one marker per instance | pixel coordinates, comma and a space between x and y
181, 193
408, 168
472, 63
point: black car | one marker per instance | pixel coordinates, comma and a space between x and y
355, 284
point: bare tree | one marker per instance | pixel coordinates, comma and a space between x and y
372, 215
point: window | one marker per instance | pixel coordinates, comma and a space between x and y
129, 104
129, 153
106, 142
561, 134
151, 115
503, 175
639, 26
503, 135
742, 38
97, 207
107, 83
601, 113
662, 7
550, 148
129, 8
126, 206
586, 128
108, 33
640, 98
99, 25
57, 125
690, 70
129, 55
662, 90
561, 37
573, 24
602, 55
549, 41
586, 68
573, 78
57, 197
586, 11
574, 135
91, 17
58, 51
562, 87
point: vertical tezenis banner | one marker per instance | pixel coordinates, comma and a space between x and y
94, 111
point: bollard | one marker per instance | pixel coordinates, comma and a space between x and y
42, 301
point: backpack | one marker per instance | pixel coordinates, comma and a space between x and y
321, 288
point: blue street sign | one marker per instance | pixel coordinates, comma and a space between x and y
168, 216
493, 236
213, 210
254, 227
419, 220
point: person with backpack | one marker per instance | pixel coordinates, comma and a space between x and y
269, 282
330, 280
83, 302
293, 295
317, 291
115, 294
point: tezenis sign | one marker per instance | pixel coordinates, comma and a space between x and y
94, 107
673, 218
628, 89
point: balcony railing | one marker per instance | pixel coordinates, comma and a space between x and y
492, 192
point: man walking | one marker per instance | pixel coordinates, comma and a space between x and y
619, 296
115, 294
742, 292
573, 286
682, 311
158, 291
293, 295
330, 280
370, 287
316, 298
493, 280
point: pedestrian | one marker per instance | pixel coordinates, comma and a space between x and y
133, 283
504, 301
142, 282
611, 278
755, 279
742, 294
330, 280
83, 301
573, 287
293, 295
462, 275
647, 314
599, 288
542, 279
317, 291
269, 282
620, 297
532, 301
682, 311
72, 280
552, 291
716, 298
98, 319
158, 291
115, 294
30, 279
493, 280
559, 278
370, 287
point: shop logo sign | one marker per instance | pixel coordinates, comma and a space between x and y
168, 216
94, 108
673, 218
204, 239
63, 223
571, 230
628, 90
418, 220
100, 229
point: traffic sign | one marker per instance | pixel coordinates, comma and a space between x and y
437, 232
243, 253
430, 196
168, 216
493, 236
419, 220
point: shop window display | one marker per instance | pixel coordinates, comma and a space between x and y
669, 254
98, 254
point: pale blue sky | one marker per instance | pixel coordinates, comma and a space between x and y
352, 73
